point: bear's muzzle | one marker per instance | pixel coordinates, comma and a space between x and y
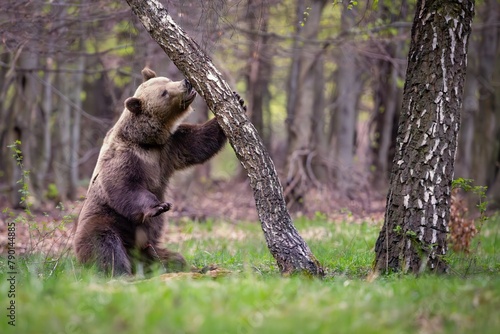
188, 85
190, 92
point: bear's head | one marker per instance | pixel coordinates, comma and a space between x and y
156, 109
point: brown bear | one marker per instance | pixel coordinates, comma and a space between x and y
121, 220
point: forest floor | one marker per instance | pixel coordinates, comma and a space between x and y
246, 293
48, 227
242, 290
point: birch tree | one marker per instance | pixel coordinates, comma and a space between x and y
285, 244
414, 233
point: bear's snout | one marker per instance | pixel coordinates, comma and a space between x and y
188, 86
190, 93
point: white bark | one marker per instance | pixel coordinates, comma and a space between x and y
419, 197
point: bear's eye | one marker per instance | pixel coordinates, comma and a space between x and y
165, 92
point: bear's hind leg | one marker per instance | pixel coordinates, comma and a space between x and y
110, 254
171, 261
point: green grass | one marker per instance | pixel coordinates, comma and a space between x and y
255, 298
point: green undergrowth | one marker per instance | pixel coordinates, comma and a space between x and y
62, 297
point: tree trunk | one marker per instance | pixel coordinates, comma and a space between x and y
387, 97
413, 237
62, 154
288, 248
486, 144
319, 140
259, 66
386, 106
349, 87
494, 189
26, 106
47, 106
470, 112
76, 125
293, 76
9, 132
302, 99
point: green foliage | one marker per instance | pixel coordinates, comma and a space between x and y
398, 229
468, 186
63, 297
318, 215
305, 16
54, 294
52, 192
17, 154
411, 234
119, 78
346, 211
41, 230
352, 4
225, 164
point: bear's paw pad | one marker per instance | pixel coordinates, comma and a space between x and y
158, 209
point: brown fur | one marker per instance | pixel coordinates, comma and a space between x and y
121, 219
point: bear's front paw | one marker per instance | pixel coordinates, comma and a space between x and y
240, 100
158, 210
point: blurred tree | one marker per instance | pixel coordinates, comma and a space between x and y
46, 60
388, 71
486, 142
350, 82
259, 66
67, 63
305, 94
415, 228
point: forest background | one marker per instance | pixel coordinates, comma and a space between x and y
322, 81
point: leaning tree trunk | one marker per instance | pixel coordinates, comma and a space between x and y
418, 204
286, 245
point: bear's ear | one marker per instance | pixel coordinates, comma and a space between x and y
134, 105
147, 74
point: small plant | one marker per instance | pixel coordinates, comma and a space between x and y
463, 228
52, 192
411, 234
17, 154
320, 216
352, 4
27, 217
44, 234
398, 229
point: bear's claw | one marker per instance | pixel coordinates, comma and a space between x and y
240, 100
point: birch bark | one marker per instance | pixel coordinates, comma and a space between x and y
413, 236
